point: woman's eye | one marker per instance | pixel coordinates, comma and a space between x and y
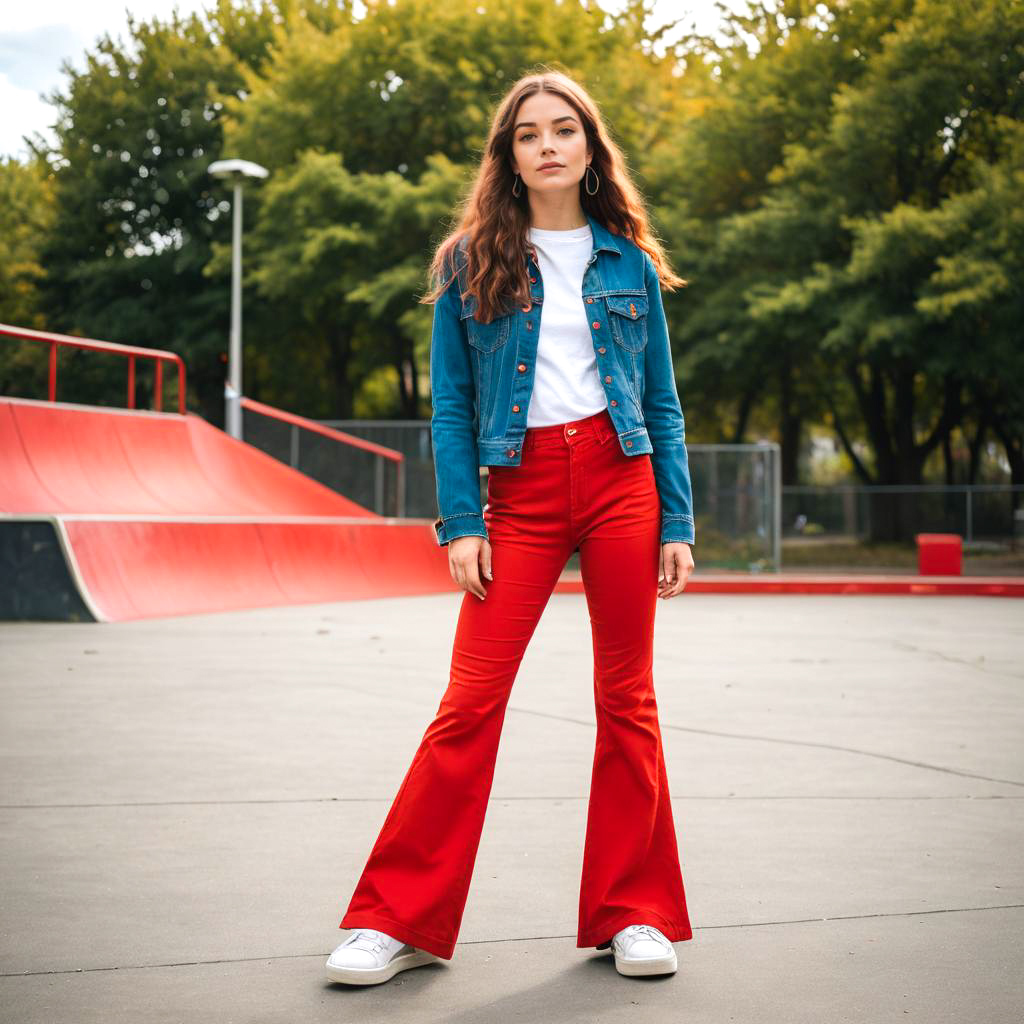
529, 135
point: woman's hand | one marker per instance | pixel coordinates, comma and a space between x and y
676, 566
469, 558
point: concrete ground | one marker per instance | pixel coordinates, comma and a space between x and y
187, 804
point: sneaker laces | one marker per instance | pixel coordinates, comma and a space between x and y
371, 935
636, 930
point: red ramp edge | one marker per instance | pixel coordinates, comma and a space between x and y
135, 568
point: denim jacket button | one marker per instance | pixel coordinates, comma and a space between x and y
522, 367
510, 452
607, 380
590, 300
629, 444
601, 350
515, 408
526, 307
533, 280
596, 324
614, 402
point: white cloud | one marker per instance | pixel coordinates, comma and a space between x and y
35, 42
24, 114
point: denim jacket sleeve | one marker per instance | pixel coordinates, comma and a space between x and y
663, 417
453, 423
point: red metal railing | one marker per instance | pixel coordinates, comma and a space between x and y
342, 438
319, 428
130, 352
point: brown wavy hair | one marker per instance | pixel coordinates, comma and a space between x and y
495, 222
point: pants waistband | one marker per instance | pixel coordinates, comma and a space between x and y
598, 426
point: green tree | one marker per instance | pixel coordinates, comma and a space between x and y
26, 220
135, 209
774, 75
975, 291
901, 143
806, 215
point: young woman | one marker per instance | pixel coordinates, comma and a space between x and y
551, 365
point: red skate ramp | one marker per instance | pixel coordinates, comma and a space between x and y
147, 514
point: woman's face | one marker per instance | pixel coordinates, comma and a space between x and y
549, 131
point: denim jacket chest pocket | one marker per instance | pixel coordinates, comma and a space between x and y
485, 337
627, 317
487, 344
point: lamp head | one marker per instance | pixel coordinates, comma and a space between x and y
233, 170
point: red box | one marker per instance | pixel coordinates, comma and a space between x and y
940, 554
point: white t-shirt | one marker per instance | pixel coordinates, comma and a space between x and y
566, 384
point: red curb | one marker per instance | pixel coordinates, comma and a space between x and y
782, 583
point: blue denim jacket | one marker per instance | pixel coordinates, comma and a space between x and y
481, 379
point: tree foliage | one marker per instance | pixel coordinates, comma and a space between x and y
840, 183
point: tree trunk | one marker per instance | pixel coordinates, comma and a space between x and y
790, 426
900, 457
1013, 444
975, 446
339, 353
408, 385
743, 416
413, 409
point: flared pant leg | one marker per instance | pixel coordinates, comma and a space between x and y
631, 872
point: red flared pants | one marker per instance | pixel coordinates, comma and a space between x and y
575, 487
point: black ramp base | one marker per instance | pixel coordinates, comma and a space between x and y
35, 582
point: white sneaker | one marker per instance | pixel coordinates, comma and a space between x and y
369, 956
640, 949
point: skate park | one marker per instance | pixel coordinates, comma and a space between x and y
227, 614
190, 791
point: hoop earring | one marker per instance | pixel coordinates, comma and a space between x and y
517, 184
586, 181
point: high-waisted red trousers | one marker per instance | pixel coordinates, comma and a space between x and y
575, 487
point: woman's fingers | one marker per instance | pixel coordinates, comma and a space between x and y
464, 562
471, 574
677, 564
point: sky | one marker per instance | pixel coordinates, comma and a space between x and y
36, 38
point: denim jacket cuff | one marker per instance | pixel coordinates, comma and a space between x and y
677, 528
462, 524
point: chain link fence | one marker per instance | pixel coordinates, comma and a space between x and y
977, 512
737, 497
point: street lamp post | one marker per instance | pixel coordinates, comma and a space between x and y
235, 171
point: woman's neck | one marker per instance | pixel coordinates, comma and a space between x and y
560, 217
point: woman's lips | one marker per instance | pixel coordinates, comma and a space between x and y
553, 167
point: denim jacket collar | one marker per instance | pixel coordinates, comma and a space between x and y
603, 238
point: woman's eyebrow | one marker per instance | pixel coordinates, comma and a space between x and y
533, 124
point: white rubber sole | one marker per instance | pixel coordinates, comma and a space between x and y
377, 975
642, 968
